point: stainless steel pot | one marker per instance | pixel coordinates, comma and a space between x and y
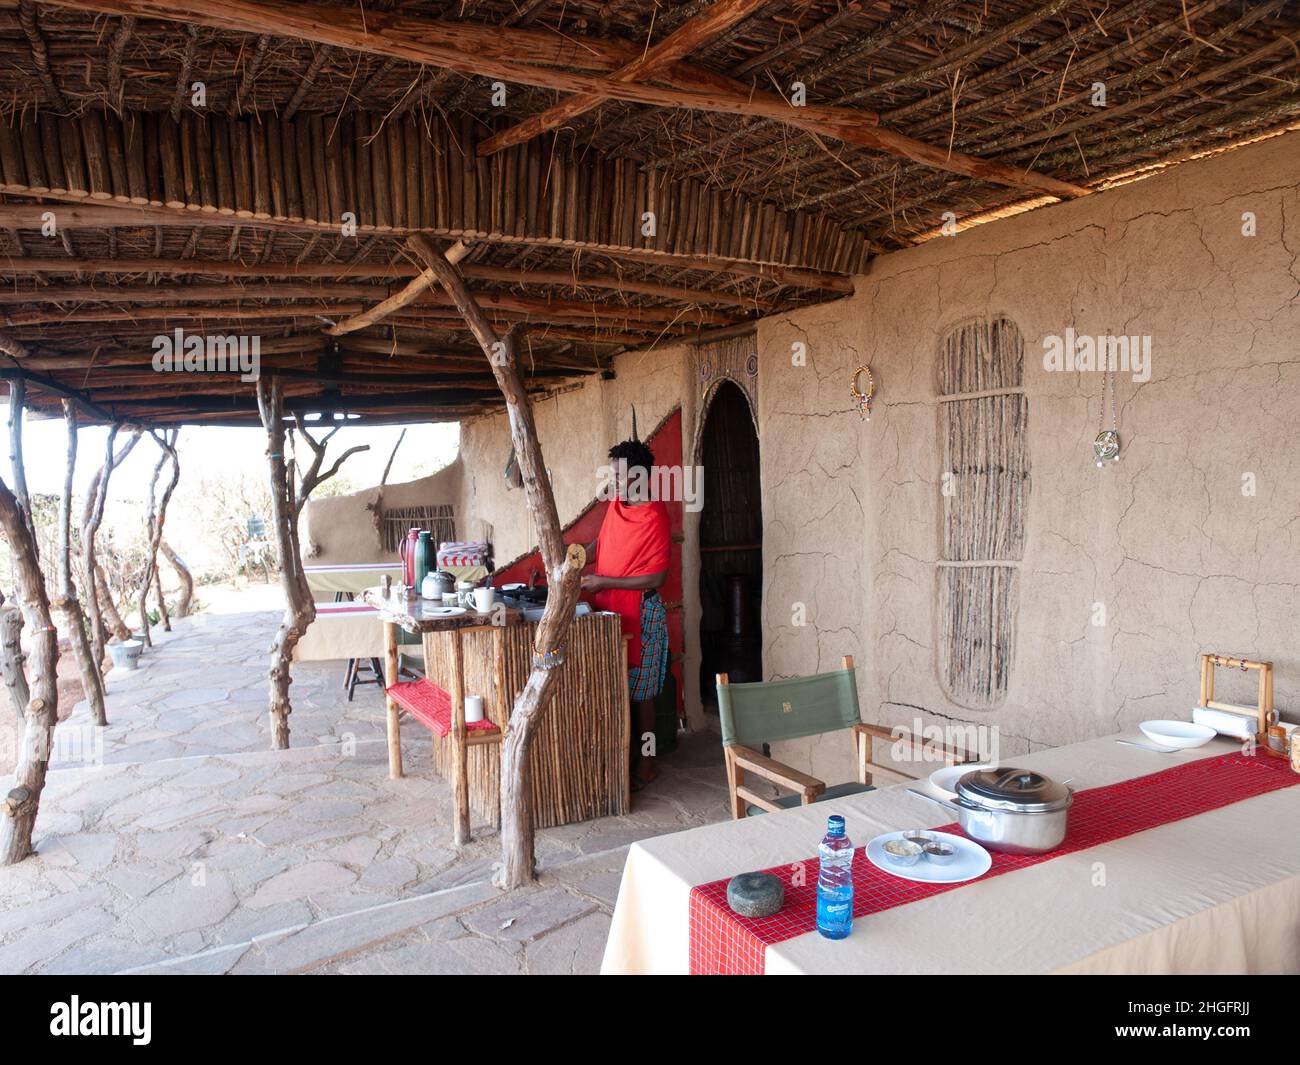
1016, 811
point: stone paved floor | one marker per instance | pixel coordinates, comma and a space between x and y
188, 846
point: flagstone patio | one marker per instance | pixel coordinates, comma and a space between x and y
182, 843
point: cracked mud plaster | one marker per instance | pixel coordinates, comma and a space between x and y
1179, 558
1165, 540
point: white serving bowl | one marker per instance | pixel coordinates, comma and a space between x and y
1179, 734
945, 779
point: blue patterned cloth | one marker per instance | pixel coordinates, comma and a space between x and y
646, 680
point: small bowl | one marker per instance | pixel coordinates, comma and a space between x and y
919, 837
902, 852
940, 853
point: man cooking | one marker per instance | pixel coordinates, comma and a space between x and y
630, 555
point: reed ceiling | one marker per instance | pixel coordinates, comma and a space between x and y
227, 216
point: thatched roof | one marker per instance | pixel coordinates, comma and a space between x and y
220, 209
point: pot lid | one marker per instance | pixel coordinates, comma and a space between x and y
1008, 788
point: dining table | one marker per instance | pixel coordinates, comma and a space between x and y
352, 578
1214, 888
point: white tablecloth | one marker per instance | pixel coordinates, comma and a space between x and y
341, 630
350, 577
1215, 893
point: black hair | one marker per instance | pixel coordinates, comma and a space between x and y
634, 453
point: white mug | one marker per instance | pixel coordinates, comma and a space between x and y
484, 598
473, 708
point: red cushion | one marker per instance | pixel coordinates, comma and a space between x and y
424, 700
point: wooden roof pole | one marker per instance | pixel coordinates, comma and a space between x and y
563, 568
100, 608
687, 38
493, 51
108, 213
65, 600
478, 272
289, 494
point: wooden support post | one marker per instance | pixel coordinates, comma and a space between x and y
563, 569
154, 523
12, 657
183, 572
287, 501
394, 711
19, 809
99, 599
459, 743
299, 609
66, 598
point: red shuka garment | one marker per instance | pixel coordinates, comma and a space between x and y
633, 542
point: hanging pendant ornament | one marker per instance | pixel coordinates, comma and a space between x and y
863, 399
1106, 445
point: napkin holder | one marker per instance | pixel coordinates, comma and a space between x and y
1261, 715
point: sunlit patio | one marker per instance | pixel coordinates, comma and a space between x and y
195, 848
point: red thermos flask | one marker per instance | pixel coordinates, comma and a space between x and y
406, 552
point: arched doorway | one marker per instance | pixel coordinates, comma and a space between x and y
730, 541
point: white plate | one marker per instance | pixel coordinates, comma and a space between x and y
442, 611
971, 860
1179, 734
945, 779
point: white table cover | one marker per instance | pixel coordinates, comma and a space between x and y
1214, 893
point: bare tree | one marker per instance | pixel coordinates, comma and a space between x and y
289, 494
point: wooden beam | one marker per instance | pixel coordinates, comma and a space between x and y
177, 294
181, 314
684, 40
54, 388
413, 291
509, 275
477, 51
108, 214
435, 305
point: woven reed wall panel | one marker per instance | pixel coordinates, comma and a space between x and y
579, 753
984, 445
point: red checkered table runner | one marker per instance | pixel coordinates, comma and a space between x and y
721, 942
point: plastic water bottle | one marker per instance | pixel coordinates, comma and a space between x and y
835, 881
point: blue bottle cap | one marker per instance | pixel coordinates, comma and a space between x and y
835, 825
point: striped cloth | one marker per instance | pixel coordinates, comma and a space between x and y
646, 679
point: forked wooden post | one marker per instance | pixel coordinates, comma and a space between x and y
99, 600
154, 520
563, 571
19, 807
290, 491
92, 679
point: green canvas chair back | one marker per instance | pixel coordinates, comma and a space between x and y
774, 710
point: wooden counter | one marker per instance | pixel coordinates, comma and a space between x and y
580, 749
418, 616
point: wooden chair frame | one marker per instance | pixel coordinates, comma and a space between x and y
741, 760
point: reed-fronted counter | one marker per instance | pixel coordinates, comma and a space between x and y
579, 753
